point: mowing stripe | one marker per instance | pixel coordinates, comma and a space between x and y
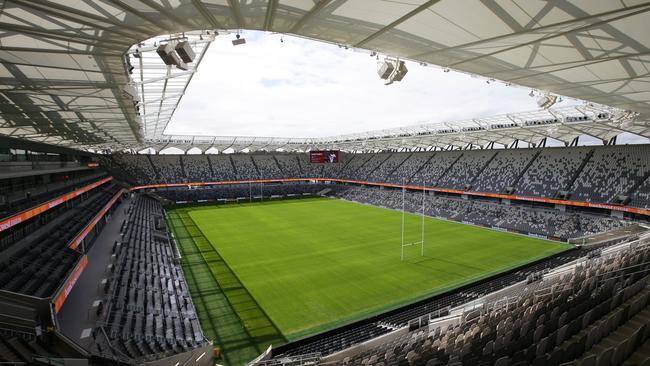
227, 312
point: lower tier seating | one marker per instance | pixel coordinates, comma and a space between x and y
147, 312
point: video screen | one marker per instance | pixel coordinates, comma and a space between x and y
324, 156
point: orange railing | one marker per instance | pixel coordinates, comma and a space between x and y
39, 209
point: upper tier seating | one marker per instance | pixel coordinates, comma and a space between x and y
430, 173
245, 168
611, 171
504, 170
642, 196
371, 165
289, 164
463, 172
133, 167
169, 168
197, 168
222, 168
268, 167
409, 167
355, 164
552, 171
44, 259
310, 170
593, 174
51, 191
386, 169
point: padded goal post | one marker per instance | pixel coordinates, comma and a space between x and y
421, 241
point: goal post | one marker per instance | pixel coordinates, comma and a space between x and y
421, 241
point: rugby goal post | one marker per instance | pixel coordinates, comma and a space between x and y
421, 242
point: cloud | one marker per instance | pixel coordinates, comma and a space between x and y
302, 88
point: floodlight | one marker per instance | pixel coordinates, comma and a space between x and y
626, 118
385, 70
167, 54
400, 71
238, 40
185, 51
130, 92
546, 101
392, 70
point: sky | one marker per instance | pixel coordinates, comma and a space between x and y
283, 86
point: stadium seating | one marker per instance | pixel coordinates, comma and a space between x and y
369, 168
245, 191
642, 196
197, 168
222, 168
596, 314
521, 219
289, 164
147, 312
20, 349
245, 167
611, 171
463, 172
430, 173
131, 168
354, 168
552, 171
504, 170
308, 169
594, 174
22, 200
408, 168
268, 166
38, 264
387, 167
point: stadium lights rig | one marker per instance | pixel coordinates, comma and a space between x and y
392, 70
176, 53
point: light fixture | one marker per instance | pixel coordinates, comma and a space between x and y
546, 101
238, 40
185, 51
625, 118
392, 70
168, 55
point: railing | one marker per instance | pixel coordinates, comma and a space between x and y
299, 360
39, 209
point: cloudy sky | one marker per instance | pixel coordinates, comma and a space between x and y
301, 88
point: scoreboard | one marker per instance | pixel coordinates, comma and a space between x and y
324, 156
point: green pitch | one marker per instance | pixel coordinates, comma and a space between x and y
302, 266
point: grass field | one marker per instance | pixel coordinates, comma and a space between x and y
287, 269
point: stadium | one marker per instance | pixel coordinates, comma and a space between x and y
514, 238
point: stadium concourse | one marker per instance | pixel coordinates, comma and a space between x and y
525, 236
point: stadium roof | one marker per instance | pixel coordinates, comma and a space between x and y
64, 69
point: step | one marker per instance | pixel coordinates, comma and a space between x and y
640, 355
586, 331
621, 333
19, 348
